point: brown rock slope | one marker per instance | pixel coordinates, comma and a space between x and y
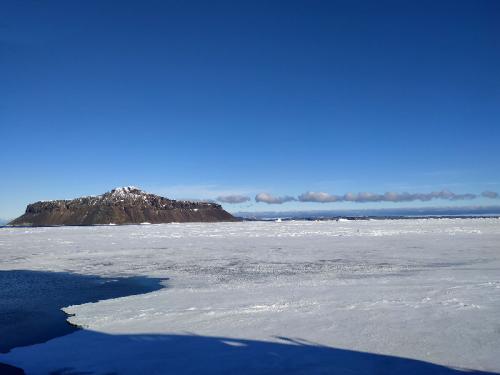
127, 205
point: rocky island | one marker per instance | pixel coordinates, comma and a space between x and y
126, 205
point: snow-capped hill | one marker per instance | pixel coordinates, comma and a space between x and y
126, 191
123, 205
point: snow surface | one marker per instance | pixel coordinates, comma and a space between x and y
268, 293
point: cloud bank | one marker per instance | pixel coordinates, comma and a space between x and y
321, 197
363, 197
233, 199
270, 199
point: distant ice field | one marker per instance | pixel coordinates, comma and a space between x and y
426, 289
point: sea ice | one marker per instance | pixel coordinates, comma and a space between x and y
426, 289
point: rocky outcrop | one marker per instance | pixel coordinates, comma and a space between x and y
127, 205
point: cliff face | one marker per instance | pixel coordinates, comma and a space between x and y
127, 205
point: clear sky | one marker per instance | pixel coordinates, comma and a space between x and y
200, 99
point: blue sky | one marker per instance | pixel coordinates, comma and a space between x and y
197, 99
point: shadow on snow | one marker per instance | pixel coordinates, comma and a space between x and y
191, 354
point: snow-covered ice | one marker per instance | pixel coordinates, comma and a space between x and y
421, 289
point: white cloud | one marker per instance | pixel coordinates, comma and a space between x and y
490, 194
232, 199
270, 199
313, 196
